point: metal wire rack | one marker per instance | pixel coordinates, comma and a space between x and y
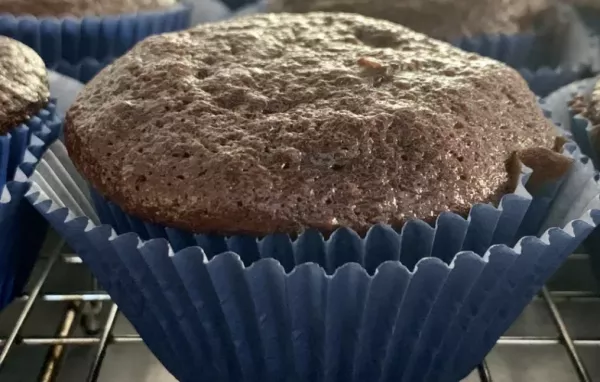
98, 333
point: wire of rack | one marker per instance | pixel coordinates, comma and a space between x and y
101, 336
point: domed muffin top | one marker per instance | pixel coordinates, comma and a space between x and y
279, 122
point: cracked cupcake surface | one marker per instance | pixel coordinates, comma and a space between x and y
443, 19
275, 123
23, 83
80, 8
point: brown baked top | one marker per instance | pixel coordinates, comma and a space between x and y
443, 19
23, 83
80, 8
278, 122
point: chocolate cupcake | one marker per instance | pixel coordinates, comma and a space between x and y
67, 32
275, 129
332, 120
27, 126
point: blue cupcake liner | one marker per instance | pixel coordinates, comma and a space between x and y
425, 304
22, 229
72, 40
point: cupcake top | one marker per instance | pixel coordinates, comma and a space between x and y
279, 122
443, 19
80, 8
23, 83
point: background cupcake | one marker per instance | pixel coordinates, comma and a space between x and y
27, 126
331, 122
65, 32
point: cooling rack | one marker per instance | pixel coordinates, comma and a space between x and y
56, 332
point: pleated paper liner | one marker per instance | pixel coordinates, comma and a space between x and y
581, 130
71, 39
425, 304
22, 229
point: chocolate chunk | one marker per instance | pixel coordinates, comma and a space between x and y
23, 83
275, 123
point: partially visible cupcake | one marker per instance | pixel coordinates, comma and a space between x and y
27, 126
392, 162
72, 30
